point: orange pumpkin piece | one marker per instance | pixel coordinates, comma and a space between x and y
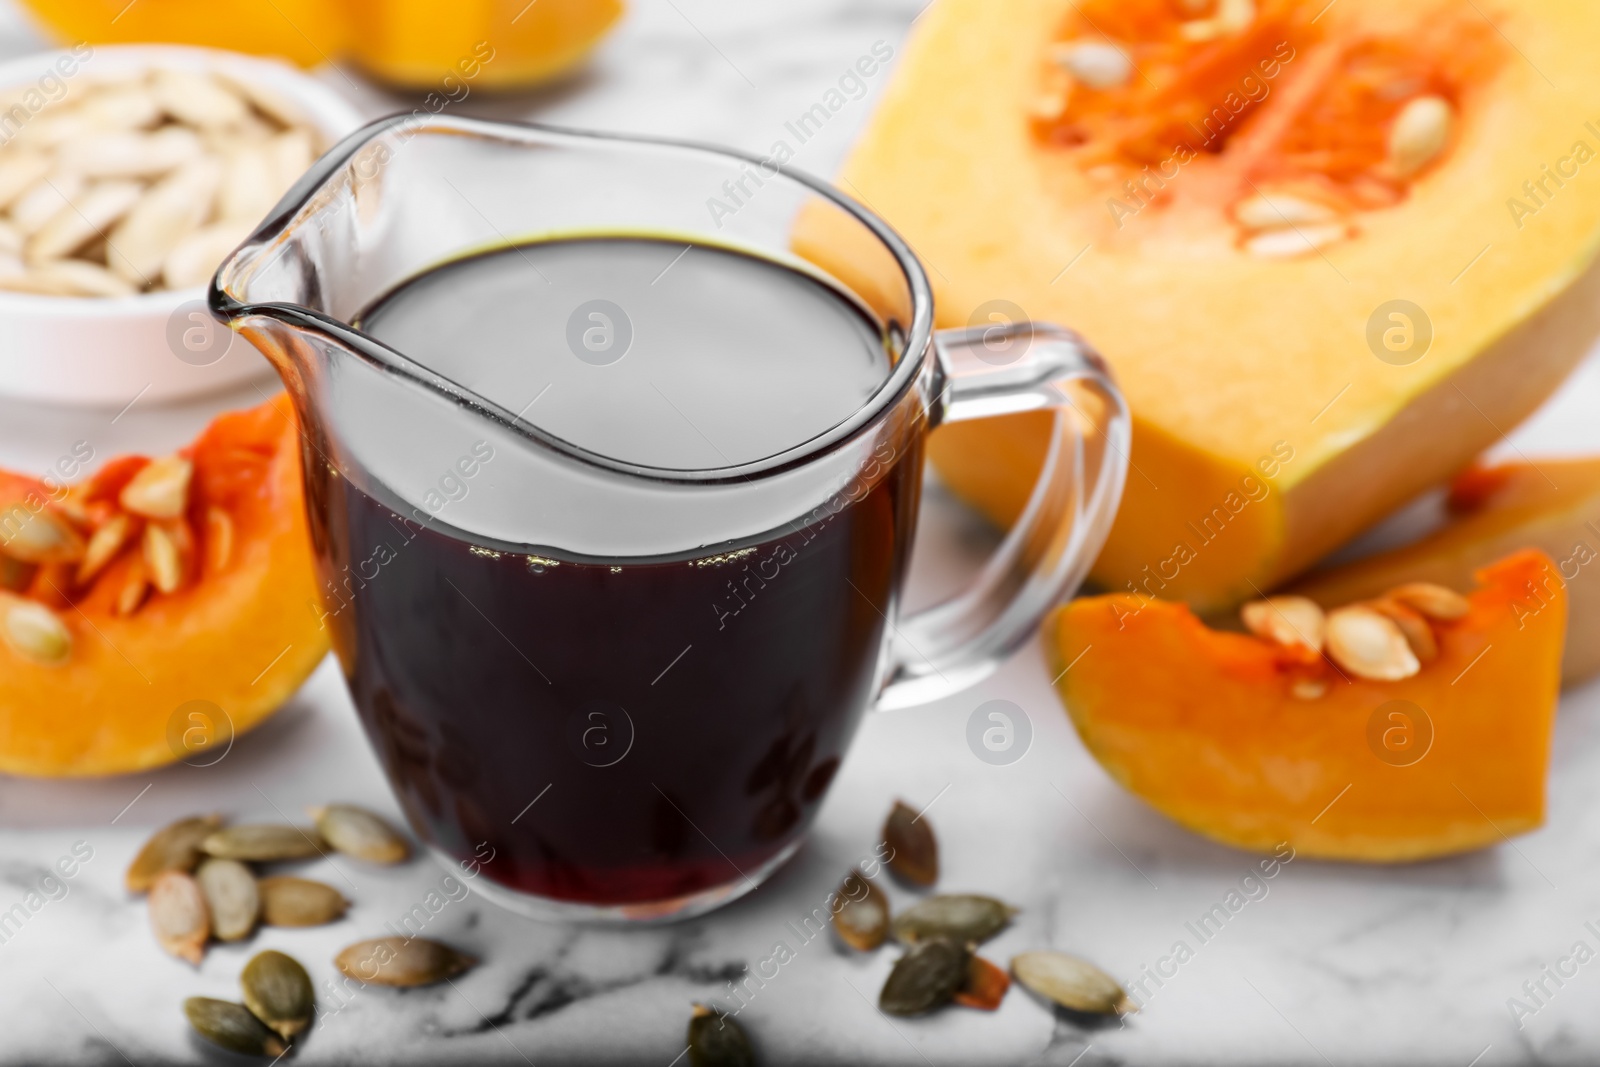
129, 641
1206, 725
1549, 504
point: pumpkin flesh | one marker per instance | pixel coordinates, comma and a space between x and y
1266, 432
240, 632
1204, 725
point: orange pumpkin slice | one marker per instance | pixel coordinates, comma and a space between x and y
1207, 727
1549, 504
155, 610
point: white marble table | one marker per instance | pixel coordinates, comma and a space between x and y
1335, 965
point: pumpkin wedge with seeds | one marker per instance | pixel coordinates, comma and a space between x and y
1369, 752
157, 608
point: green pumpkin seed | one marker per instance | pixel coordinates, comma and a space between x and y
287, 901
962, 917
914, 851
230, 892
179, 916
1071, 982
862, 920
402, 961
231, 1025
263, 843
359, 833
277, 990
716, 1040
925, 978
171, 848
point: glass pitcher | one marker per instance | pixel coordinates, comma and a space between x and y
615, 684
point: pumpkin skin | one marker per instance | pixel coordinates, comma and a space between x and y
1201, 724
1552, 505
241, 633
1266, 433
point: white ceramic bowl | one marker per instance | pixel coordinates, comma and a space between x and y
105, 351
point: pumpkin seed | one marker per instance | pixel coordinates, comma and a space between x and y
1290, 243
716, 1040
985, 986
19, 172
402, 961
1071, 983
1434, 601
1309, 688
231, 1025
359, 833
962, 917
1275, 210
130, 153
179, 916
67, 277
162, 558
289, 901
172, 209
50, 196
197, 98
1418, 634
160, 490
195, 258
38, 536
1419, 133
231, 894
1094, 64
1285, 620
862, 920
913, 850
34, 632
277, 990
175, 847
99, 207
1369, 645
263, 843
925, 978
104, 544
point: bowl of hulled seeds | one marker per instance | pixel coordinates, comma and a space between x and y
127, 174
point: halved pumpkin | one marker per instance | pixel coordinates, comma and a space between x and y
1331, 251
1551, 504
1207, 728
155, 610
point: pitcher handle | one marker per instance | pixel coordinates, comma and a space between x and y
986, 372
